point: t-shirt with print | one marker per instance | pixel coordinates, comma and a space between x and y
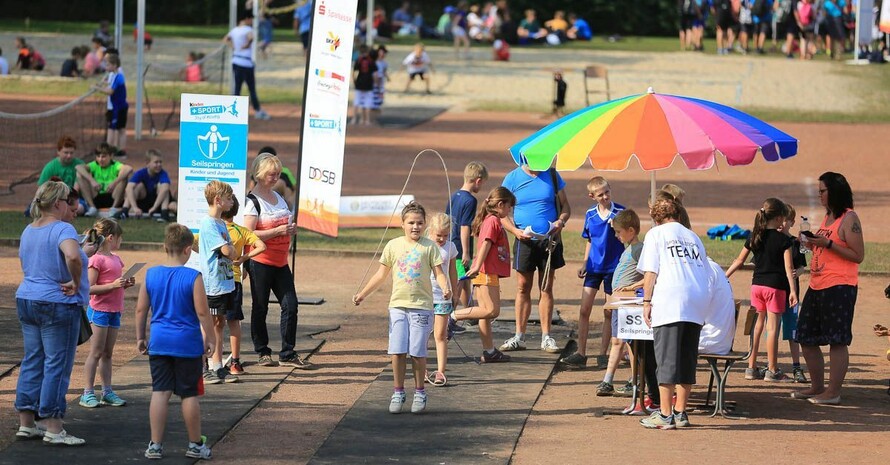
271, 216
411, 264
364, 79
497, 262
175, 329
216, 268
535, 198
241, 238
462, 210
605, 248
417, 63
67, 173
150, 181
626, 272
104, 176
769, 260
448, 252
118, 98
110, 268
678, 257
719, 328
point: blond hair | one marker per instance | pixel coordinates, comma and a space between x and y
438, 222
475, 170
176, 238
263, 163
627, 219
595, 183
47, 195
108, 227
216, 189
153, 153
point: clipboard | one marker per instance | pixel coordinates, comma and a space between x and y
133, 270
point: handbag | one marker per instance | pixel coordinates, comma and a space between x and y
86, 331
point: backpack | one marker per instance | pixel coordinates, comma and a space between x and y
256, 203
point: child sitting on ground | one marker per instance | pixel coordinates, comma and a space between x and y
149, 190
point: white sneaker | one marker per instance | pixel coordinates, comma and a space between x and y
398, 399
262, 115
514, 343
197, 451
62, 439
91, 212
419, 404
548, 344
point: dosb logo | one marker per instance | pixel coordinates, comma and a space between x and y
320, 175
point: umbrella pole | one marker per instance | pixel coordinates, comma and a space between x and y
651, 187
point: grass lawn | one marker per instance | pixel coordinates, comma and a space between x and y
877, 257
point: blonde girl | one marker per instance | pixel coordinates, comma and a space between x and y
492, 262
106, 304
410, 259
439, 231
772, 286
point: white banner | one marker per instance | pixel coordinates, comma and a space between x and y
865, 20
212, 145
325, 106
631, 325
885, 17
372, 211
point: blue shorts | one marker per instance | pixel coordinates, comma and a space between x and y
443, 309
104, 319
409, 331
789, 323
593, 281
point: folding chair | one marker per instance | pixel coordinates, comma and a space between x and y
596, 72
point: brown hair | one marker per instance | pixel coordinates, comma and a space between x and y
772, 208
627, 219
153, 153
413, 207
675, 190
177, 237
66, 141
232, 212
497, 195
665, 209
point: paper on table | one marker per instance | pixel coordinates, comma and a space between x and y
538, 236
626, 300
133, 270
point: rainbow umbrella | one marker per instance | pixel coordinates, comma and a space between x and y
655, 129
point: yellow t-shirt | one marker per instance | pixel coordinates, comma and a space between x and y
241, 237
411, 265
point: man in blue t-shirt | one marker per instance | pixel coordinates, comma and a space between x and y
149, 190
580, 30
303, 23
542, 209
462, 210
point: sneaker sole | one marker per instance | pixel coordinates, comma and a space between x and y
505, 349
665, 427
109, 404
605, 394
552, 351
89, 406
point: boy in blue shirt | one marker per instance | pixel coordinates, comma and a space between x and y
216, 253
179, 313
462, 210
115, 86
600, 260
149, 189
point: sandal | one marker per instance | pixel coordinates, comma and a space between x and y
439, 379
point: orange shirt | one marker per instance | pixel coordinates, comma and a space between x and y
827, 268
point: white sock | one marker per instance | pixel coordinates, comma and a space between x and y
520, 336
608, 378
214, 365
544, 336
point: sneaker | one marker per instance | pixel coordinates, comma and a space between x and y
514, 343
799, 376
396, 402
262, 115
62, 439
419, 403
548, 344
227, 377
602, 362
604, 389
651, 406
266, 361
89, 400
496, 357
211, 377
681, 420
199, 451
154, 451
116, 213
777, 377
112, 399
235, 367
575, 360
624, 391
30, 432
295, 361
656, 421
454, 326
754, 373
91, 212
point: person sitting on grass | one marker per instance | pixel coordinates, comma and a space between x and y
149, 190
103, 182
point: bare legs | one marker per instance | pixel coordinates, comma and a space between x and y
399, 365
839, 358
191, 414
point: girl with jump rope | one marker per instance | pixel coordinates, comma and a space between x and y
104, 312
492, 262
772, 286
439, 231
410, 259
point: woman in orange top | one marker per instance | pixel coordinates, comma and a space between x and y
826, 314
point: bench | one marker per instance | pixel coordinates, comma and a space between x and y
729, 361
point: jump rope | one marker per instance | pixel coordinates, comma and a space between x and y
393, 214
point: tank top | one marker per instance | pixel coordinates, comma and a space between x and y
827, 268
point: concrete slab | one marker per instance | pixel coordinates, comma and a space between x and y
477, 417
404, 117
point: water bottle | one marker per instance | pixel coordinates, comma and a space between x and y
804, 226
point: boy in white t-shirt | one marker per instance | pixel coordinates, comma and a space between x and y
419, 65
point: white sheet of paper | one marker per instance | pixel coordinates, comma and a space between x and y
133, 270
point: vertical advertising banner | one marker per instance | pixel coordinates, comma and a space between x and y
865, 20
885, 17
212, 145
325, 106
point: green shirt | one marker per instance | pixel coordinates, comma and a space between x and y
104, 176
68, 173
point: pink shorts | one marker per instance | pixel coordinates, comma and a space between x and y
768, 299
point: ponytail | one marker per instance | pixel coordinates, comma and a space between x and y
497, 195
772, 208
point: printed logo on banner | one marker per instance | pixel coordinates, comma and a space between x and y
332, 41
323, 10
321, 123
199, 109
213, 144
329, 75
323, 176
329, 87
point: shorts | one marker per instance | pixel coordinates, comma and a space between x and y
826, 316
304, 39
104, 319
237, 311
117, 119
409, 331
532, 255
789, 323
614, 322
747, 29
148, 201
458, 32
221, 305
768, 299
725, 20
364, 98
103, 200
443, 309
763, 27
421, 74
593, 281
485, 279
676, 352
177, 374
686, 21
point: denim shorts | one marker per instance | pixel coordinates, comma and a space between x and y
409, 331
104, 319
